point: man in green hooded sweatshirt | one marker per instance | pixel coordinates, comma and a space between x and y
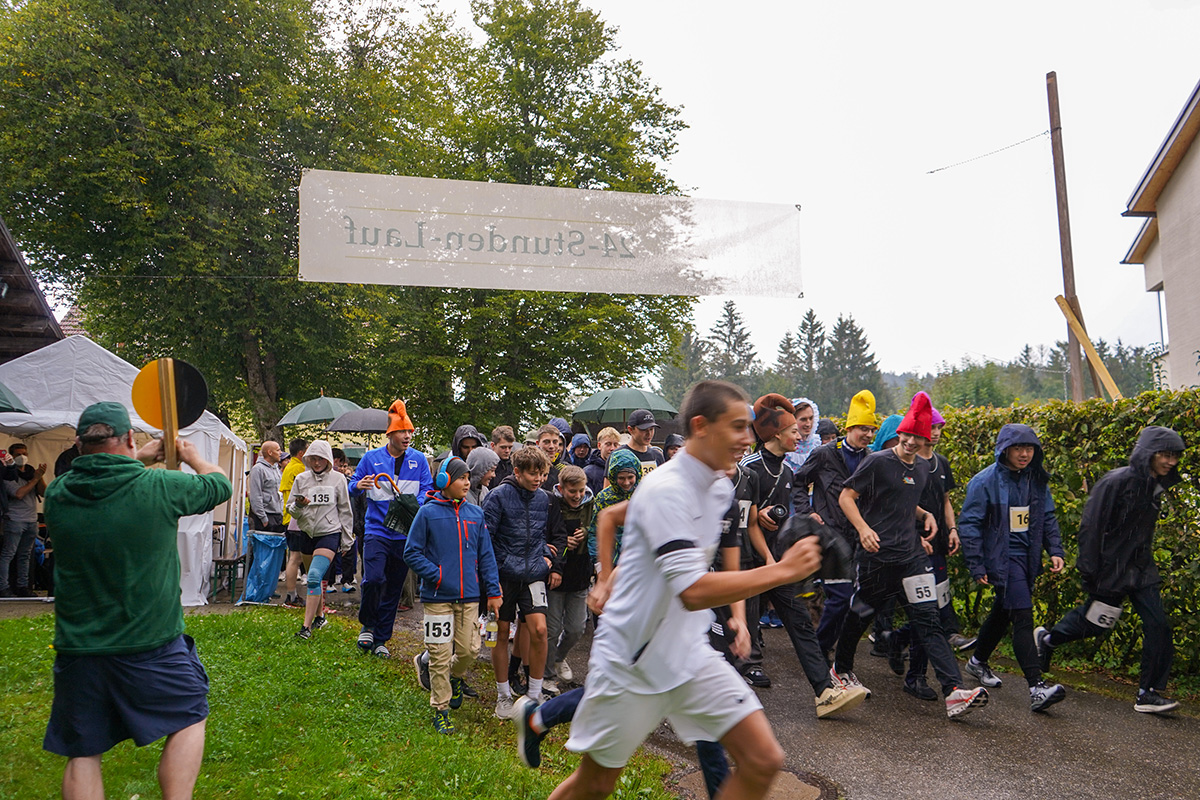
124, 668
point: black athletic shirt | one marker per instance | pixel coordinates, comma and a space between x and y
889, 492
650, 459
933, 499
774, 481
744, 490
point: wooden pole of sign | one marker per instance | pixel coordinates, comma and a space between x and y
1064, 233
170, 410
1097, 365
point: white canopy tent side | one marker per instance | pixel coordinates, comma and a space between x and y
60, 380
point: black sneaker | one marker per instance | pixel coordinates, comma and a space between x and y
919, 688
319, 622
983, 673
442, 723
305, 632
456, 693
516, 680
466, 689
1151, 702
421, 664
1041, 639
1042, 695
757, 678
528, 742
960, 642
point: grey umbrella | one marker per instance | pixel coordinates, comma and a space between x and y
319, 409
364, 420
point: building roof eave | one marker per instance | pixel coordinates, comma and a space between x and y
1183, 132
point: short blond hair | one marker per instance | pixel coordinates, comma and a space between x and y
608, 434
571, 475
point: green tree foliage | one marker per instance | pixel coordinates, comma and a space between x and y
733, 357
1081, 443
689, 365
150, 157
848, 366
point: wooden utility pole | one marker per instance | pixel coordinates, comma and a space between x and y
1064, 235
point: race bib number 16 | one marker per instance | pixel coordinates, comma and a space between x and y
439, 628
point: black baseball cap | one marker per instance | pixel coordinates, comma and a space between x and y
641, 419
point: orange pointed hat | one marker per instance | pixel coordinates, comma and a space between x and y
398, 418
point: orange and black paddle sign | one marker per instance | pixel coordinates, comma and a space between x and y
169, 394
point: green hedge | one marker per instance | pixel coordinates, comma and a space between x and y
1081, 443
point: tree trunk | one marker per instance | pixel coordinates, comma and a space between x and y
260, 380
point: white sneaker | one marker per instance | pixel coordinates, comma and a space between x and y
550, 689
850, 681
563, 670
504, 707
963, 701
839, 698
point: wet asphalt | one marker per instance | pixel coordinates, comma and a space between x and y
896, 746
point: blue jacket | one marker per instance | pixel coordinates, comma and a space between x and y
449, 548
518, 521
983, 524
413, 478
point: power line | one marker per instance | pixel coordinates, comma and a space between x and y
992, 153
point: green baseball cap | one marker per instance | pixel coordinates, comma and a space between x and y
112, 414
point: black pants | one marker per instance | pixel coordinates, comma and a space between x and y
878, 582
793, 610
1157, 648
996, 625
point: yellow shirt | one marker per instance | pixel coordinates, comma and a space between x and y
294, 467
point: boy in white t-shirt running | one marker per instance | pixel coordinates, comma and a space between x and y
651, 659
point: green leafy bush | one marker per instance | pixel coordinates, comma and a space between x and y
1081, 443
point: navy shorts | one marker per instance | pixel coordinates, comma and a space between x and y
329, 541
102, 700
295, 540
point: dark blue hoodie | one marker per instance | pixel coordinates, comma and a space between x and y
983, 524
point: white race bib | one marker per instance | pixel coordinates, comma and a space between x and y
1018, 519
321, 497
943, 593
920, 588
743, 513
537, 590
439, 628
1103, 616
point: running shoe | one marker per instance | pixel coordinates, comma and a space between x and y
504, 706
919, 688
984, 673
347, 587
442, 723
366, 640
466, 688
1151, 702
305, 632
757, 678
962, 701
563, 670
775, 621
1041, 638
292, 601
764, 621
550, 688
456, 692
518, 681
381, 651
1042, 695
838, 698
960, 642
319, 622
421, 664
529, 742
850, 680
331, 588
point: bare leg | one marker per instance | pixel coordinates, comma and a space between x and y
289, 571
82, 779
535, 652
312, 605
589, 781
180, 763
758, 757
500, 652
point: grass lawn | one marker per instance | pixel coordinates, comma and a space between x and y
292, 719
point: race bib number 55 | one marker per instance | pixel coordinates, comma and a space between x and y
439, 628
920, 588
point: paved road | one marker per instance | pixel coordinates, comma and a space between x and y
895, 746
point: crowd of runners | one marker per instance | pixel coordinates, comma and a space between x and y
759, 515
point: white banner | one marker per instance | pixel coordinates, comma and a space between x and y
360, 228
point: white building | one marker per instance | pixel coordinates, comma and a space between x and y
1168, 245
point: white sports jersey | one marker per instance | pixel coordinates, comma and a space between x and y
647, 639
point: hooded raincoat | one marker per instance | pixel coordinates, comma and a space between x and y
806, 444
619, 461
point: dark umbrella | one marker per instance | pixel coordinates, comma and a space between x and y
10, 402
364, 420
319, 409
615, 405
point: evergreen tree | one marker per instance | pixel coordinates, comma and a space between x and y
689, 365
733, 356
811, 344
788, 365
848, 367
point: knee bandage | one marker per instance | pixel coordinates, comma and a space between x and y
320, 565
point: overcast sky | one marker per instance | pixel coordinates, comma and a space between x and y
844, 109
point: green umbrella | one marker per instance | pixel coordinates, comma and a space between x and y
319, 409
10, 402
615, 405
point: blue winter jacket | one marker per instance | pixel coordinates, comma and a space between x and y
450, 550
413, 478
517, 520
983, 524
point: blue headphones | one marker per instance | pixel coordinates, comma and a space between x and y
443, 477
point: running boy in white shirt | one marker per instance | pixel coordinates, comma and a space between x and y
651, 660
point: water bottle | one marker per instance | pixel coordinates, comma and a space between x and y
491, 630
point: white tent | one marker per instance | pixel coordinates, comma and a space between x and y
57, 382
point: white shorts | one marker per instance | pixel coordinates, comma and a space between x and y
612, 722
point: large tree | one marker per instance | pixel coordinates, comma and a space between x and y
150, 157
849, 366
689, 365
